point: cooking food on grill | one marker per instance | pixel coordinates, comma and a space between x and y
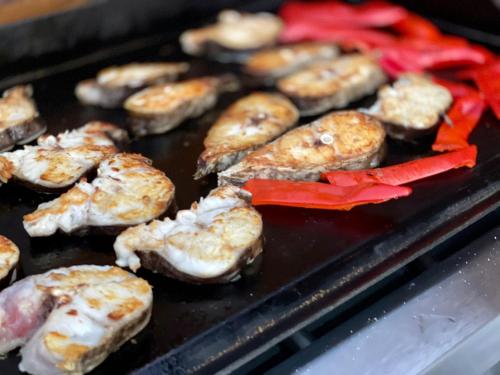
210, 243
96, 133
5, 170
161, 108
279, 61
59, 161
233, 36
127, 191
9, 257
339, 140
19, 119
69, 320
115, 84
412, 106
332, 84
250, 122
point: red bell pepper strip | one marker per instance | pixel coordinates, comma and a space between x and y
320, 195
456, 89
363, 38
488, 81
415, 26
462, 119
404, 173
335, 13
415, 59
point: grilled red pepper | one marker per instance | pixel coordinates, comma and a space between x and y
409, 58
347, 37
415, 26
456, 89
406, 172
488, 81
335, 13
320, 195
462, 119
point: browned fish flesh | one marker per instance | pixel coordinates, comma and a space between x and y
339, 140
6, 169
249, 123
59, 161
68, 320
332, 84
233, 36
161, 108
210, 243
411, 107
280, 61
9, 258
19, 119
128, 191
115, 84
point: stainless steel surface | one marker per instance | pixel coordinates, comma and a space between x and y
447, 321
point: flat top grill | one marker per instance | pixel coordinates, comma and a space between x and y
313, 260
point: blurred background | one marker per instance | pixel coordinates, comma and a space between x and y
40, 28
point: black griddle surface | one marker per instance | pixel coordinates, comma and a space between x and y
313, 260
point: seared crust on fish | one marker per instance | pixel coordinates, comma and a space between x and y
411, 107
249, 123
210, 243
6, 169
283, 60
339, 140
233, 36
19, 120
332, 84
69, 320
59, 161
127, 191
9, 258
115, 84
161, 108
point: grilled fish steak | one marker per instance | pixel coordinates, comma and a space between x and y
59, 161
332, 84
411, 107
233, 36
339, 140
127, 191
115, 84
69, 320
250, 122
161, 108
19, 119
9, 258
279, 61
210, 243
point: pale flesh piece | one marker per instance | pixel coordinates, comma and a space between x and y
127, 191
161, 108
250, 122
233, 35
411, 106
339, 140
19, 119
9, 257
114, 84
210, 243
69, 320
59, 161
332, 84
282, 60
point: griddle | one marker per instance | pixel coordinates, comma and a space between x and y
313, 262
